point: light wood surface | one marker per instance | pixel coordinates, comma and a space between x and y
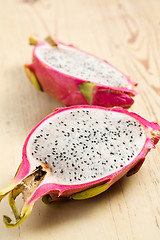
127, 34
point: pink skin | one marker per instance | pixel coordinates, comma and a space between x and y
64, 87
68, 190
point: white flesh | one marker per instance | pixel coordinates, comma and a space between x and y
83, 145
81, 65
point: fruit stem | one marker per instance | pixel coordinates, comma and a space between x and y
12, 196
51, 41
27, 187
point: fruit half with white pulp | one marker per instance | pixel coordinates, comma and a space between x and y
78, 152
75, 77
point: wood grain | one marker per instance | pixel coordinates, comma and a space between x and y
127, 34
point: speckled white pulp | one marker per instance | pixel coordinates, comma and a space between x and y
81, 65
85, 144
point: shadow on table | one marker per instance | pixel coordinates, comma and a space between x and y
56, 214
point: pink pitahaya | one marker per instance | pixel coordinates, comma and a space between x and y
77, 153
75, 77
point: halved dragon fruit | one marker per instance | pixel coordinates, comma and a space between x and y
78, 152
74, 77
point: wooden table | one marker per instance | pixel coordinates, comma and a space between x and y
127, 34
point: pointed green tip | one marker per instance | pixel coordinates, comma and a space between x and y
7, 220
25, 213
87, 89
33, 40
92, 192
32, 77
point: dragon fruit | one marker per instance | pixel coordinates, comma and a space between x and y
78, 152
75, 77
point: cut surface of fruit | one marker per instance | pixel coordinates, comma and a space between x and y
95, 145
76, 77
78, 64
78, 152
